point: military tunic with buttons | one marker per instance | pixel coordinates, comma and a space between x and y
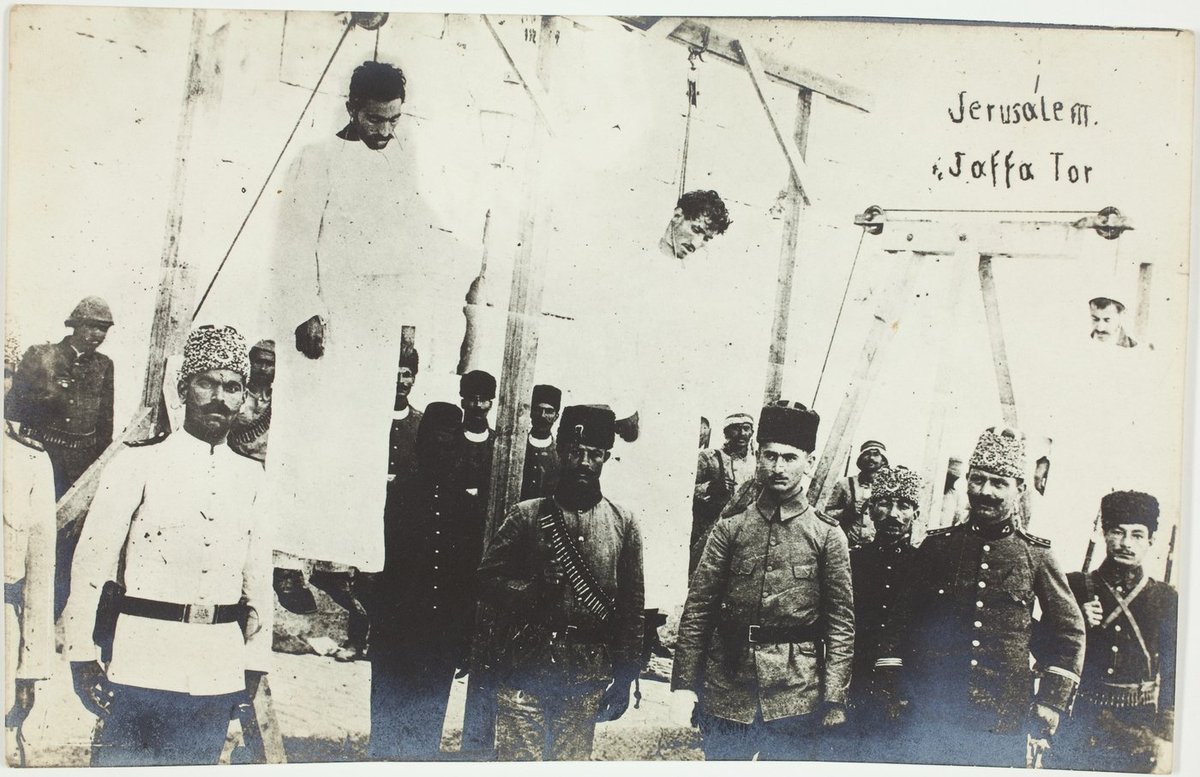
1128, 682
65, 400
881, 574
971, 629
540, 477
784, 568
402, 442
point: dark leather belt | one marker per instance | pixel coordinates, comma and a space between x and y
181, 613
772, 635
580, 634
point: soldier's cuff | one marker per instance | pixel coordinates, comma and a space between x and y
889, 663
836, 696
1057, 688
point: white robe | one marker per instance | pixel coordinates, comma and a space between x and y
357, 246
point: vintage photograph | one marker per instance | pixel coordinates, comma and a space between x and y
473, 387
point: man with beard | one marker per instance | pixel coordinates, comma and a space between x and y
848, 503
477, 390
971, 629
406, 419
767, 634
175, 519
424, 602
567, 573
881, 570
1108, 326
1127, 692
719, 473
541, 459
358, 255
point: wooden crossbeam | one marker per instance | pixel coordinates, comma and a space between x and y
702, 36
787, 141
530, 82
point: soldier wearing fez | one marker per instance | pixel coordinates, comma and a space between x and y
971, 627
171, 576
541, 459
1127, 694
767, 635
423, 602
477, 390
567, 572
881, 571
406, 419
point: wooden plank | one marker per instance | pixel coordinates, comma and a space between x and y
533, 85
1142, 316
777, 351
78, 498
263, 731
933, 467
700, 35
892, 298
991, 308
787, 142
176, 285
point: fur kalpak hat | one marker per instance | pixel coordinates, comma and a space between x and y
789, 423
593, 425
1121, 507
1001, 451
897, 483
214, 348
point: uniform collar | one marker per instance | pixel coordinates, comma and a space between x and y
889, 549
535, 442
1120, 574
787, 510
186, 439
477, 436
992, 532
400, 415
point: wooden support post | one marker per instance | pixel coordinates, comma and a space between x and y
934, 461
991, 307
1142, 316
892, 299
263, 733
75, 502
176, 285
791, 150
524, 318
777, 352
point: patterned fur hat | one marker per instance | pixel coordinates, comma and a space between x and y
897, 483
1001, 451
212, 348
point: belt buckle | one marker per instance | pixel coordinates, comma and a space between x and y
200, 613
750, 634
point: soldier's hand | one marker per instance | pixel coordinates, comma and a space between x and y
92, 687
252, 623
683, 708
615, 701
1045, 721
1093, 611
834, 716
310, 338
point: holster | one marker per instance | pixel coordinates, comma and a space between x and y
107, 610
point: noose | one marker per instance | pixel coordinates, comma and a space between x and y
694, 54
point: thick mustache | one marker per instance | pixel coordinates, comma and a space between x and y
217, 407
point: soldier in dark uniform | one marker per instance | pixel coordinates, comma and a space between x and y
541, 457
971, 627
767, 634
1127, 694
252, 425
477, 441
881, 570
567, 572
62, 396
423, 605
402, 450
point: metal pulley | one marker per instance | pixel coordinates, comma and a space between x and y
871, 220
1108, 223
368, 20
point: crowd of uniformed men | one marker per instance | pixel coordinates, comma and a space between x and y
806, 634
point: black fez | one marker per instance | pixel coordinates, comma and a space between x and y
593, 425
477, 383
1129, 507
550, 395
790, 423
439, 417
411, 359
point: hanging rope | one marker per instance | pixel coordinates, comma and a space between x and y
694, 54
312, 95
838, 318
